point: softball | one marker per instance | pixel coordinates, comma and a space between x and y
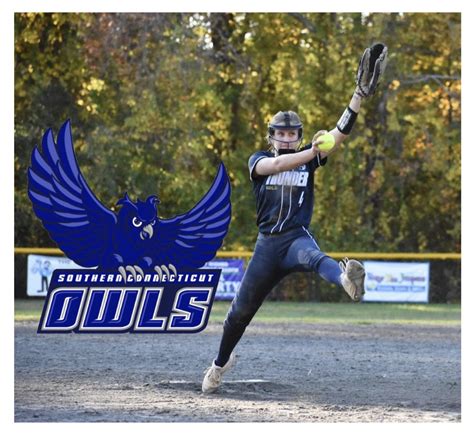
328, 142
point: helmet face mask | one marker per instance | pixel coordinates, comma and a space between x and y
288, 120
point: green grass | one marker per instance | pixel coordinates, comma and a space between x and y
368, 313
28, 310
308, 312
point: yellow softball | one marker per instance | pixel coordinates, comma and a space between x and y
328, 142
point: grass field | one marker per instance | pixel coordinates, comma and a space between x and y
309, 312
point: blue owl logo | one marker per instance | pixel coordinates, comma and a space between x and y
134, 239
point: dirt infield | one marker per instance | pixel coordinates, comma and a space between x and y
284, 372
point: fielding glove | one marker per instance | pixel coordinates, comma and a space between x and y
371, 68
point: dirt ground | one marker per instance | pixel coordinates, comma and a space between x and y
284, 373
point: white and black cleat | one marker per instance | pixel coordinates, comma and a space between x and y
352, 278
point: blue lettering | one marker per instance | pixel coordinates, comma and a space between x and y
190, 308
110, 309
147, 318
63, 309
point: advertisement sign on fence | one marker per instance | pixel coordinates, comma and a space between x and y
397, 282
231, 277
40, 270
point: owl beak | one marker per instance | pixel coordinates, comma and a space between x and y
147, 232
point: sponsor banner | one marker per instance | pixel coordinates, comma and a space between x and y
231, 276
397, 282
40, 270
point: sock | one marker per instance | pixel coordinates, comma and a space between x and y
330, 271
229, 340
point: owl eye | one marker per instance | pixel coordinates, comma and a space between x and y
153, 222
136, 222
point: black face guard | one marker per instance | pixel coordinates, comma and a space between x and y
282, 151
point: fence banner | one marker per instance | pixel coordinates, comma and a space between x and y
397, 282
231, 276
40, 269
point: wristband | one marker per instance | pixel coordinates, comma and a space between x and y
347, 121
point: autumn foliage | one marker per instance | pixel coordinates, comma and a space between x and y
157, 100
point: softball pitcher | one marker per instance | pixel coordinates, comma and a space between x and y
283, 184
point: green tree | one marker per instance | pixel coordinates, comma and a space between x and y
157, 100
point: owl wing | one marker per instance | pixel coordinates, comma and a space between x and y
74, 218
191, 239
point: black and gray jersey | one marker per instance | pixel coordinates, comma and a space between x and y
284, 200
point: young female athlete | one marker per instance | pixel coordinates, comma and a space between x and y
283, 184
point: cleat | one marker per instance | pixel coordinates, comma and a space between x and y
213, 378
352, 278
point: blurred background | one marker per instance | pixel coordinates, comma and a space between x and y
156, 101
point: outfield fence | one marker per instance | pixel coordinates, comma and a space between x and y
445, 275
248, 254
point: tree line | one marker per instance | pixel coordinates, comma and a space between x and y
156, 101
